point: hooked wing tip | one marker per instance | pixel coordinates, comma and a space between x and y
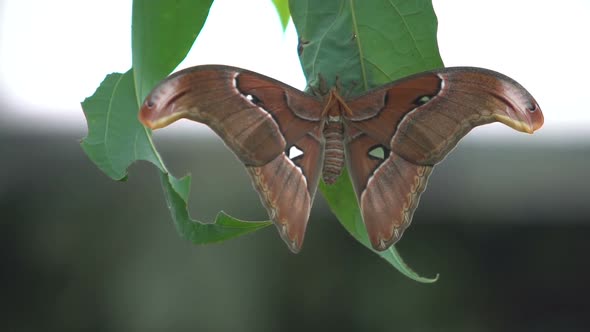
154, 117
528, 125
144, 116
537, 118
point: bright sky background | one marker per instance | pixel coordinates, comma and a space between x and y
53, 54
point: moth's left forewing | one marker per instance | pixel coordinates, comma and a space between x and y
467, 98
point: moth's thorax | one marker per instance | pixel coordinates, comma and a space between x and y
335, 107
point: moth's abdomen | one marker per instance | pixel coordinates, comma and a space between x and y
334, 151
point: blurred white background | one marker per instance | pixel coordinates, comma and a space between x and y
53, 54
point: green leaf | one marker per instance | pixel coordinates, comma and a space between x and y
176, 192
163, 32
115, 138
282, 7
364, 44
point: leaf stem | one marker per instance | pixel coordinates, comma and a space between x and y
155, 151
